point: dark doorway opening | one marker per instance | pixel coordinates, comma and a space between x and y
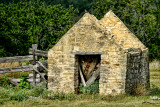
88, 73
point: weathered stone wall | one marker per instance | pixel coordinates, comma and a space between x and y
145, 69
122, 35
90, 35
137, 75
85, 36
76, 75
112, 73
126, 40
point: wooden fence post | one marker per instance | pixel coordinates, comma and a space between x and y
35, 67
34, 47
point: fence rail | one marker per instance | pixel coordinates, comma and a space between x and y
39, 52
36, 67
16, 59
29, 80
16, 69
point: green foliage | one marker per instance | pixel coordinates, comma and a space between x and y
43, 60
4, 81
19, 97
37, 91
24, 82
54, 96
80, 5
14, 93
24, 22
1, 102
18, 94
47, 94
4, 93
92, 89
58, 96
155, 90
25, 63
28, 22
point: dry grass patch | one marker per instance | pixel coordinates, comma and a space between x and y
154, 65
155, 73
18, 74
11, 64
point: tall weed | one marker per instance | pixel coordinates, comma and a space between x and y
155, 90
19, 97
92, 89
24, 82
154, 65
4, 81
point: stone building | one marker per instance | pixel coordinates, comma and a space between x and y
123, 57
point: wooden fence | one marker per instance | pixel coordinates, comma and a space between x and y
36, 67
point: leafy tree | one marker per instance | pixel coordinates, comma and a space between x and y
81, 5
28, 22
45, 21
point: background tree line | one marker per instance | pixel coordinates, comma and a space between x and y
24, 22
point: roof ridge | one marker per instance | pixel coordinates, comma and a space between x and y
111, 13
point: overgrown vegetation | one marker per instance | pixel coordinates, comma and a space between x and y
24, 82
92, 89
22, 95
155, 90
3, 81
16, 95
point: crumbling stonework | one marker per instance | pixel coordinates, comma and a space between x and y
107, 37
136, 77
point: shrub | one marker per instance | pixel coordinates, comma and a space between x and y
1, 102
19, 97
47, 94
25, 63
92, 89
139, 90
37, 91
4, 81
24, 82
4, 93
53, 95
57, 96
155, 90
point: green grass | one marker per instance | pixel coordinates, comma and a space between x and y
17, 97
155, 77
86, 102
